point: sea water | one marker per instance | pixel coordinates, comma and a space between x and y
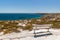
19, 16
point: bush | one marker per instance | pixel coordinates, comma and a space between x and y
56, 25
28, 27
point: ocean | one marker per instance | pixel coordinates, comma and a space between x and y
19, 16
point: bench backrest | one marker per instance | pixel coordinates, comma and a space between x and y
43, 26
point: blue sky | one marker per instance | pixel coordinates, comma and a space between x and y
29, 6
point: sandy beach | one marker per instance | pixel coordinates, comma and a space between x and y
54, 34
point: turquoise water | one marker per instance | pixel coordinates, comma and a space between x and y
19, 16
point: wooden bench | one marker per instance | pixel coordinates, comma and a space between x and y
43, 26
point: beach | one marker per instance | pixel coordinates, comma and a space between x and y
54, 34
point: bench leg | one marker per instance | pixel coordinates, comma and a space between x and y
48, 30
34, 34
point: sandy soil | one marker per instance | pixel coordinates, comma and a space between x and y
41, 34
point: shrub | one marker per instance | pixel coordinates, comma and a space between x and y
28, 27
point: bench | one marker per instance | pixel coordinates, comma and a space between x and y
43, 26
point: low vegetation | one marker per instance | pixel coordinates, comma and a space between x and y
8, 28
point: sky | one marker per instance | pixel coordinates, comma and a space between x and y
29, 6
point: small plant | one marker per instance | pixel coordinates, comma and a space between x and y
6, 31
28, 27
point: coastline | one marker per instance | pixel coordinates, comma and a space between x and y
24, 29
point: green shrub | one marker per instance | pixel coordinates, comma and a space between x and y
28, 27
